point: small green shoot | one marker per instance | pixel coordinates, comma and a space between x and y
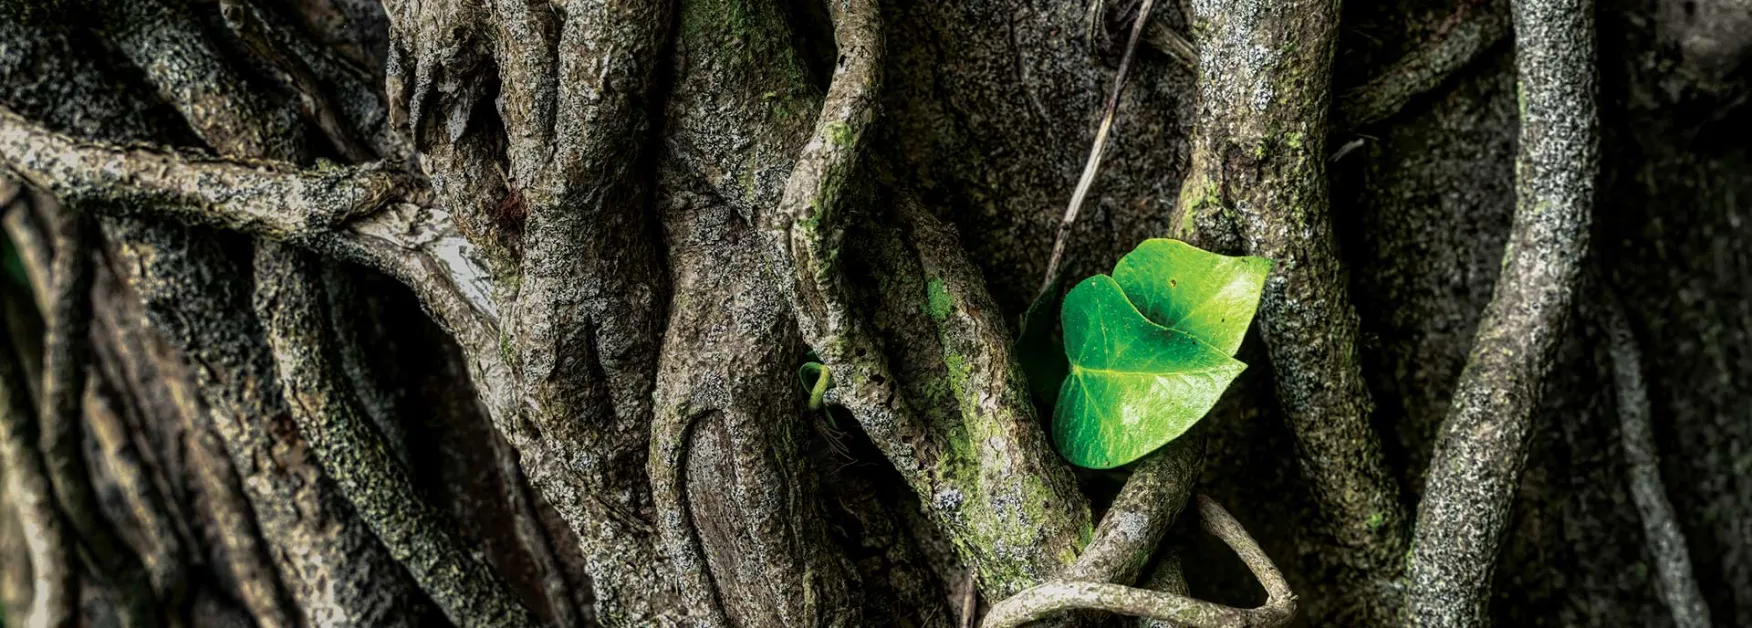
816, 380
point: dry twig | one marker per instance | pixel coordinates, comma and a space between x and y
1093, 166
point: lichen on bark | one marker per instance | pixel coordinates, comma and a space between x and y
1483, 444
1257, 186
576, 192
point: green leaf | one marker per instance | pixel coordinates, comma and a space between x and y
1134, 385
1180, 286
1149, 349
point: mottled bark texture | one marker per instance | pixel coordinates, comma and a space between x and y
1483, 443
194, 294
529, 353
353, 452
66, 359
1257, 185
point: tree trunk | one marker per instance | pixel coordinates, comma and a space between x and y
495, 312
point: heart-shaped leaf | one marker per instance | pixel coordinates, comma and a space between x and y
1150, 348
1134, 385
1180, 286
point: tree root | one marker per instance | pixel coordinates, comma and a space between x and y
1483, 442
134, 357
588, 276
1167, 576
1049, 599
66, 357
354, 300
1666, 542
311, 527
1257, 185
549, 192
353, 454
71, 76
556, 587
353, 102
163, 556
245, 553
29, 233
965, 447
355, 213
1474, 28
166, 41
736, 513
251, 25
1159, 35
165, 561
182, 280
268, 199
802, 240
676, 531
804, 234
55, 584
1140, 516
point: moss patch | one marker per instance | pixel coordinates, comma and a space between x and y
937, 300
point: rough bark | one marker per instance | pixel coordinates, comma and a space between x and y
581, 195
1482, 447
353, 454
561, 223
66, 360
1257, 185
54, 576
738, 497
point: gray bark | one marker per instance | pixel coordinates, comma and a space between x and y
536, 359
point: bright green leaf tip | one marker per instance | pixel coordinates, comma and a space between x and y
1180, 286
1150, 348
